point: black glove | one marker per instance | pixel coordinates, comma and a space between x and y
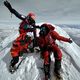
70, 41
8, 5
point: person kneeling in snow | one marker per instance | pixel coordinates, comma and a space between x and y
46, 42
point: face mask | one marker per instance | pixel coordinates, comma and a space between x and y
43, 31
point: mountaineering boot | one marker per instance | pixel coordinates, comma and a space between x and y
47, 71
57, 69
12, 66
12, 69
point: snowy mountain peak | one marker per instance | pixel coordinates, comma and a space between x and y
29, 70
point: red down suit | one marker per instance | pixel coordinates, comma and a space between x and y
20, 44
47, 43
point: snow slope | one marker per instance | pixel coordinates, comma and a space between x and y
29, 70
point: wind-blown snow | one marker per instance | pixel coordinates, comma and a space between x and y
29, 69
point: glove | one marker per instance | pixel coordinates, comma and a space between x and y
8, 5
70, 41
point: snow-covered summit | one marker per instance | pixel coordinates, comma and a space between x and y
29, 69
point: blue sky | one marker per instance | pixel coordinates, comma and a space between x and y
54, 11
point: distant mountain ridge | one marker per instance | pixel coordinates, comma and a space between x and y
69, 25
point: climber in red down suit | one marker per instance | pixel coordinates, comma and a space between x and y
46, 42
27, 25
19, 47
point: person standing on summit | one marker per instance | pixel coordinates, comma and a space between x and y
27, 25
47, 44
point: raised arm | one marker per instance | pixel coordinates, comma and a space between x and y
8, 5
